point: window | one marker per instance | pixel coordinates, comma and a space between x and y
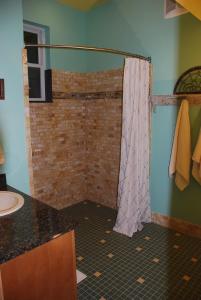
36, 59
173, 9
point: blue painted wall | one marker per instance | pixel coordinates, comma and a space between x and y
130, 25
12, 120
67, 26
174, 45
139, 27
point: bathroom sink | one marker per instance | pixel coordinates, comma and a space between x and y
10, 202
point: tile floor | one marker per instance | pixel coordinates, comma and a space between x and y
157, 263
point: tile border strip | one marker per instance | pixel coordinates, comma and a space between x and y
88, 95
155, 99
182, 226
175, 99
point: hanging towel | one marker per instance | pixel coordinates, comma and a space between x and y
181, 150
197, 160
2, 160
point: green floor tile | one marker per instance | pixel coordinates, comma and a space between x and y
155, 264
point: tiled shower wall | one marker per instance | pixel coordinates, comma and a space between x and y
103, 128
76, 139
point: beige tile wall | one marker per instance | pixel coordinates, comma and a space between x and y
103, 129
103, 149
76, 142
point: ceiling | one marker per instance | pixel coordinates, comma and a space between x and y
83, 5
194, 6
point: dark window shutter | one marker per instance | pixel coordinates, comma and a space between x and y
48, 85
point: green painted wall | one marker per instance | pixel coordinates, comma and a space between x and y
67, 26
165, 197
174, 45
12, 121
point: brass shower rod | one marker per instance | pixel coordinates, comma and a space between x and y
90, 48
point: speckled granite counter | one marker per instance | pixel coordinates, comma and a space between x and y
33, 225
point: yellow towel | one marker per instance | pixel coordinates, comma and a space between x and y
181, 150
2, 160
197, 160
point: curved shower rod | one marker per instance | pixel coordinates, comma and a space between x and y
90, 48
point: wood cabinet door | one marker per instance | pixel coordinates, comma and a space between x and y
47, 272
1, 288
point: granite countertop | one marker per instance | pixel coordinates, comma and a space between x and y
31, 226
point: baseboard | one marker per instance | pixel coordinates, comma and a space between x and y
177, 224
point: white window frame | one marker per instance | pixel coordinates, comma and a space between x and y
41, 57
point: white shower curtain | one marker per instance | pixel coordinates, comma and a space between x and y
133, 191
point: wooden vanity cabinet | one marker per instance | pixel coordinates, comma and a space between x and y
47, 272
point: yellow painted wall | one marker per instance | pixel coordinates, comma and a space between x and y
193, 6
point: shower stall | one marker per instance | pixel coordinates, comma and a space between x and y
74, 141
